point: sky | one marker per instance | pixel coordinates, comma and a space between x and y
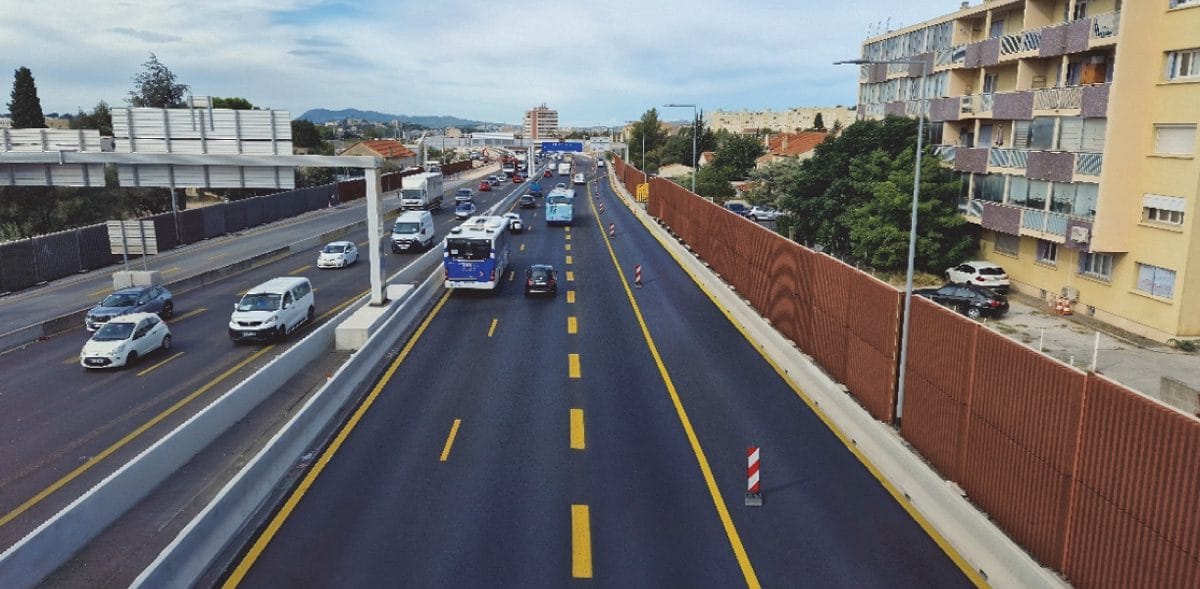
597, 63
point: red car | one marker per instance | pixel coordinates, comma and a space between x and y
547, 174
517, 179
485, 187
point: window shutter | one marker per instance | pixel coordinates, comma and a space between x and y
1070, 134
1093, 135
1175, 139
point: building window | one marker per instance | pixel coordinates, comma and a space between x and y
1174, 139
1096, 265
1085, 199
1159, 282
1182, 65
1063, 199
1039, 193
1018, 190
1163, 216
1178, 3
1047, 252
993, 187
1008, 244
1041, 133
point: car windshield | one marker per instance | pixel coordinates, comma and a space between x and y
464, 192
468, 249
114, 331
259, 302
335, 249
465, 207
991, 271
120, 300
406, 228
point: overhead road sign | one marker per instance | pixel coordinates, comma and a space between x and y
562, 146
53, 172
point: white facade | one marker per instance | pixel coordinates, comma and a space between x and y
801, 118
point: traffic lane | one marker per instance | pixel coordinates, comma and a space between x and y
825, 517
654, 521
73, 293
495, 512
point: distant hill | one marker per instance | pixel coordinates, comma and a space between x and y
321, 115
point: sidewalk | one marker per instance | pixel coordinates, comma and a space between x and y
1136, 362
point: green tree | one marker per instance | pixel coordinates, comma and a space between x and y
818, 123
737, 155
155, 87
836, 129
26, 108
306, 135
234, 103
648, 132
100, 118
711, 182
678, 148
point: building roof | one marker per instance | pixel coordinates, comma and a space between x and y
793, 144
388, 148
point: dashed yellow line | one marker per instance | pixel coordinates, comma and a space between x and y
570, 296
572, 325
492, 329
172, 270
98, 292
522, 248
511, 274
573, 366
188, 315
568, 246
568, 236
577, 438
569, 260
581, 542
450, 440
300, 269
151, 369
570, 276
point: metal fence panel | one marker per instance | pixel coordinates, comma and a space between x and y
352, 189
254, 211
164, 230
270, 206
57, 255
214, 220
318, 197
94, 249
235, 216
191, 226
19, 270
872, 380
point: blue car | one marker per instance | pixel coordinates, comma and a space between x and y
135, 299
464, 210
464, 195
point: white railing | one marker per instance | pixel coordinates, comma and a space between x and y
1106, 25
1052, 223
985, 102
951, 56
1089, 164
945, 152
1008, 158
1058, 97
1021, 42
969, 104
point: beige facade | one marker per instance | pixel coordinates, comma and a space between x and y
792, 119
1073, 124
541, 123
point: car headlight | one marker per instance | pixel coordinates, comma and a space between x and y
269, 321
117, 351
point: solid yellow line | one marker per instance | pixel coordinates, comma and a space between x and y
215, 256
568, 260
577, 439
570, 276
568, 246
98, 292
573, 365
170, 270
581, 542
450, 440
363, 243
188, 315
260, 544
572, 325
570, 296
151, 369
94, 460
492, 329
731, 533
300, 269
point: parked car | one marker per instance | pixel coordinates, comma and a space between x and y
515, 224
464, 210
337, 254
980, 273
485, 186
124, 339
135, 299
541, 279
763, 213
738, 207
464, 195
527, 201
971, 300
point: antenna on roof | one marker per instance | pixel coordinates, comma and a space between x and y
888, 26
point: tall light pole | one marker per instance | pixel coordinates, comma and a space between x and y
912, 227
695, 132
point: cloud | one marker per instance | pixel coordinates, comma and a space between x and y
146, 35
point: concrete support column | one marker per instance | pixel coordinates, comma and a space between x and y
375, 234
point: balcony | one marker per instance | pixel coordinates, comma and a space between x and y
1058, 98
944, 153
1008, 158
1088, 164
1022, 42
1105, 26
1042, 223
951, 56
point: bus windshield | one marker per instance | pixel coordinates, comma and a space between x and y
469, 249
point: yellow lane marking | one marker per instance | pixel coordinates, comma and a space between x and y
570, 296
269, 532
171, 270
151, 369
492, 329
188, 315
450, 440
511, 275
568, 236
577, 438
569, 260
731, 533
98, 292
572, 325
568, 246
522, 248
215, 256
968, 570
94, 460
581, 542
573, 365
363, 243
300, 269
570, 276
568, 228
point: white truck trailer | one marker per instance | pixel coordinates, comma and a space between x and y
421, 191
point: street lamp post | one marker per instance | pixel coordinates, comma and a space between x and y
695, 132
912, 228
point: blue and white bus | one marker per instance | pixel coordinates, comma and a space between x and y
475, 254
560, 206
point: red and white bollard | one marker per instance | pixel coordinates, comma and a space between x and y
637, 275
601, 207
753, 491
612, 229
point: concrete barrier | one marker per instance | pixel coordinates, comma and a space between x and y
912, 481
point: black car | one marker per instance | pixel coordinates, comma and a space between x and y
738, 208
968, 299
541, 279
527, 201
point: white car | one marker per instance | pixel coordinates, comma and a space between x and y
981, 273
515, 223
337, 254
125, 339
763, 213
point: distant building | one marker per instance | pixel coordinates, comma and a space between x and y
790, 120
453, 133
798, 146
393, 152
541, 123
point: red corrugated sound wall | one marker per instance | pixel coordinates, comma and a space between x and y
1091, 478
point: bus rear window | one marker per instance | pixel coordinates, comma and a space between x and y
469, 249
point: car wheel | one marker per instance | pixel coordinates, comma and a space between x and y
974, 313
130, 359
168, 310
165, 344
311, 314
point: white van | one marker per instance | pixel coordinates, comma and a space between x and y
412, 230
272, 309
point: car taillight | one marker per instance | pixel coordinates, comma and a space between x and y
994, 303
978, 279
493, 274
528, 282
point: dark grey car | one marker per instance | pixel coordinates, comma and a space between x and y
135, 299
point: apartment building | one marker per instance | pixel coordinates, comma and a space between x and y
541, 123
780, 121
1073, 124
